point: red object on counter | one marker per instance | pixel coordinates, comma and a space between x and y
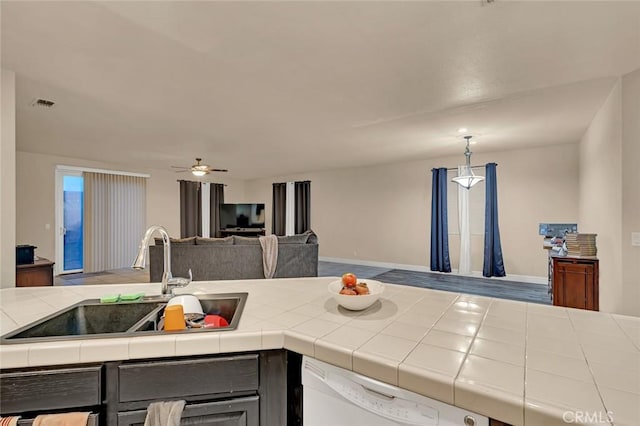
215, 321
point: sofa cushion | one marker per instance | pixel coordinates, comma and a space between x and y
293, 239
238, 240
201, 241
178, 241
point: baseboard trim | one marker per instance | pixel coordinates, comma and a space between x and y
421, 268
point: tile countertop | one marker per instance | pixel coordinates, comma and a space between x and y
520, 363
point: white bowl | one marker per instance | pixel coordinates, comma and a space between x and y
359, 302
190, 304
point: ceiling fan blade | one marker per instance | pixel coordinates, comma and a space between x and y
182, 171
180, 167
219, 170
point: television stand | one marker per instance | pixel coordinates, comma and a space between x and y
243, 232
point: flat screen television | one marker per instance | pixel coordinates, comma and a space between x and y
242, 215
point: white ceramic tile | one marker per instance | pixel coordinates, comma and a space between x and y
289, 319
419, 318
489, 401
386, 346
561, 391
471, 305
376, 367
14, 356
96, 350
349, 337
549, 362
406, 331
498, 351
435, 358
546, 414
240, 341
333, 353
457, 327
272, 339
456, 342
6, 323
196, 344
299, 342
618, 342
51, 353
624, 407
503, 335
463, 315
426, 382
612, 356
309, 310
315, 328
152, 346
373, 325
265, 312
549, 326
503, 306
558, 346
499, 375
549, 310
517, 322
622, 377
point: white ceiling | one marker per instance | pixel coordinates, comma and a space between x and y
272, 88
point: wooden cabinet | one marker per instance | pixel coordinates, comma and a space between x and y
245, 389
38, 273
41, 390
575, 282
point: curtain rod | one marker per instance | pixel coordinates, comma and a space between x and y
473, 167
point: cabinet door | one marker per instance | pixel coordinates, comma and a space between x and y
573, 285
233, 412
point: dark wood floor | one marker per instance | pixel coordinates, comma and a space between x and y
512, 290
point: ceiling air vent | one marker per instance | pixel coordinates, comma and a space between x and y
44, 103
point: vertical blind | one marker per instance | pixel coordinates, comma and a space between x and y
114, 219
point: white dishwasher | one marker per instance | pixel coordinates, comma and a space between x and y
334, 396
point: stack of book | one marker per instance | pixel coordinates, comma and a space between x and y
581, 244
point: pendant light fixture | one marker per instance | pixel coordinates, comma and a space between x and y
467, 179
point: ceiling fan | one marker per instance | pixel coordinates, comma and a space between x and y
198, 169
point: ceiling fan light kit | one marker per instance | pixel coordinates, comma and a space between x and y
198, 169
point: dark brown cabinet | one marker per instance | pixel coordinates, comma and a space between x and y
36, 274
575, 282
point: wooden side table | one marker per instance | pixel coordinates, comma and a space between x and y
36, 274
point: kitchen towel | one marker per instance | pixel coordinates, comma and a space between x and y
166, 413
9, 421
63, 419
269, 246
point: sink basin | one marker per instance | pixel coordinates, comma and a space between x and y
92, 319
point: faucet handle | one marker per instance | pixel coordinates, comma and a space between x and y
179, 281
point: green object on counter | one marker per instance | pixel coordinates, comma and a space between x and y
110, 299
131, 297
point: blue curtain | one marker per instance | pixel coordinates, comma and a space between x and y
493, 263
439, 227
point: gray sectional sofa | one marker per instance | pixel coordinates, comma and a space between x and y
235, 258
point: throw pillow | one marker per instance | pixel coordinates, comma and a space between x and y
245, 240
201, 241
293, 239
189, 241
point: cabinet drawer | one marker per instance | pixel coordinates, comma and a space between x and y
44, 390
93, 420
233, 412
178, 379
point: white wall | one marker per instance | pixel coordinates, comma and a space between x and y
609, 194
630, 192
8, 179
383, 213
601, 195
35, 201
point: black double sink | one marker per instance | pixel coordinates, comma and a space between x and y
92, 319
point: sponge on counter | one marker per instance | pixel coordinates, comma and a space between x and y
131, 297
110, 299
